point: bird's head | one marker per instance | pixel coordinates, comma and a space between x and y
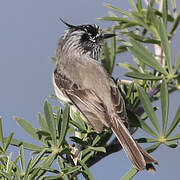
88, 39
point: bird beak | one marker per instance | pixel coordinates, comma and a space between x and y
105, 36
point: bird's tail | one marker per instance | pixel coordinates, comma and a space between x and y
140, 158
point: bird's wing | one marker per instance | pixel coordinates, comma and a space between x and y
88, 103
118, 103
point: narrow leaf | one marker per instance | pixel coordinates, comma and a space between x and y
22, 158
60, 162
35, 172
78, 140
175, 24
48, 161
27, 127
143, 55
165, 45
50, 121
177, 64
113, 51
26, 145
171, 144
71, 169
148, 108
130, 174
64, 125
5, 175
42, 122
117, 9
147, 128
100, 149
1, 133
86, 173
174, 123
38, 158
164, 104
139, 75
122, 20
127, 66
153, 147
8, 141
175, 137
53, 59
28, 169
133, 5
165, 12
139, 5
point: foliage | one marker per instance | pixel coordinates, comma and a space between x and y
65, 139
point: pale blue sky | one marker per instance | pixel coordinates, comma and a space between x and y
29, 32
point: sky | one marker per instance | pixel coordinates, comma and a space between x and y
29, 33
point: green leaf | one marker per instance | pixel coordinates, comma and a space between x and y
22, 158
71, 169
99, 149
147, 128
175, 25
60, 162
8, 141
53, 59
48, 169
130, 174
113, 51
153, 147
121, 49
5, 175
48, 160
27, 127
144, 56
133, 5
139, 75
78, 140
106, 60
127, 66
165, 45
177, 64
64, 125
1, 133
171, 144
86, 172
175, 137
42, 122
50, 121
139, 5
165, 12
117, 9
34, 173
140, 38
77, 125
38, 158
28, 169
122, 20
26, 145
174, 123
164, 105
148, 108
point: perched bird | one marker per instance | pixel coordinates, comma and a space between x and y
81, 80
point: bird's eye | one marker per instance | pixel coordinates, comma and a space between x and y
85, 37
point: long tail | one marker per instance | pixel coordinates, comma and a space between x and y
140, 158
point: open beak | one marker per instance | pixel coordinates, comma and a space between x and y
105, 36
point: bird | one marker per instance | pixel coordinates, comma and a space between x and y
82, 81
